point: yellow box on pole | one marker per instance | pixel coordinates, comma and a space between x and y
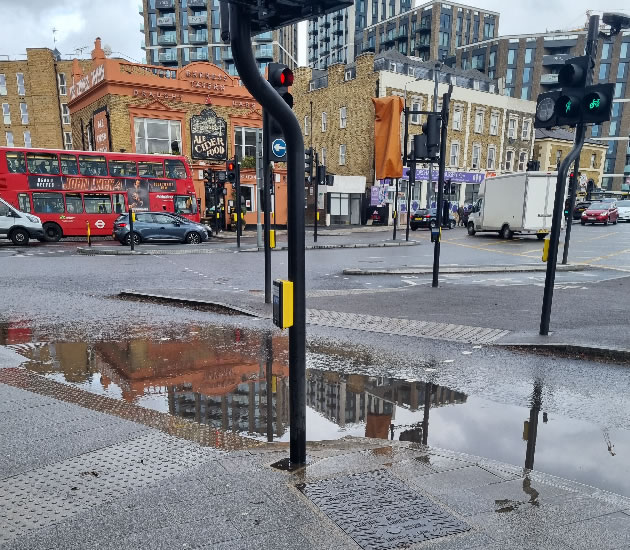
545, 254
272, 238
318, 216
133, 217
282, 298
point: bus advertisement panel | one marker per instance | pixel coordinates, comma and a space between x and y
69, 189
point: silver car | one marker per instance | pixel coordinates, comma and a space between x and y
159, 226
623, 207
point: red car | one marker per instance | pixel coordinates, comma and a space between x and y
600, 212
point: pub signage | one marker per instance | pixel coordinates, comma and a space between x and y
208, 135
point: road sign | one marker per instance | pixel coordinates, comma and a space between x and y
279, 147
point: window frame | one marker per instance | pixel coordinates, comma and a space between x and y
526, 125
6, 114
324, 122
3, 84
63, 86
21, 86
24, 113
454, 144
493, 165
28, 143
477, 165
522, 160
343, 117
65, 113
67, 141
509, 152
457, 119
479, 115
512, 130
494, 116
342, 154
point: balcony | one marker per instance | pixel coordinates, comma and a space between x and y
325, 51
198, 20
166, 21
140, 9
551, 60
199, 56
313, 31
226, 55
264, 37
424, 29
388, 40
338, 30
167, 40
338, 16
549, 79
142, 27
325, 24
197, 3
264, 53
198, 38
325, 38
167, 57
142, 45
165, 5
402, 34
423, 47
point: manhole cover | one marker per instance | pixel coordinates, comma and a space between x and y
379, 512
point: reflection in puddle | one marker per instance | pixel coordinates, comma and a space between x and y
238, 381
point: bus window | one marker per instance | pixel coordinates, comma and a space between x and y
74, 204
175, 169
42, 163
185, 204
47, 203
98, 204
16, 163
123, 168
24, 202
69, 165
150, 169
119, 202
92, 166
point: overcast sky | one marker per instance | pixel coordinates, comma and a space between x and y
29, 23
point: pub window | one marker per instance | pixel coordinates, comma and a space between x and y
150, 169
24, 203
74, 204
16, 163
175, 169
92, 166
245, 141
42, 163
123, 168
47, 203
98, 204
156, 136
69, 165
119, 203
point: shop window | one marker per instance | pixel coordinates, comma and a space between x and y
42, 163
156, 136
92, 166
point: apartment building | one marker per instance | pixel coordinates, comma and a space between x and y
430, 31
178, 32
527, 65
34, 97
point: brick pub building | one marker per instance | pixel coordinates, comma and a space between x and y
200, 110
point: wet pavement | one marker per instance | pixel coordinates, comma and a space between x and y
233, 383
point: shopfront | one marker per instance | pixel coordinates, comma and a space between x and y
345, 200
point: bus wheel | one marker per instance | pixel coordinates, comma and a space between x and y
52, 232
193, 238
19, 237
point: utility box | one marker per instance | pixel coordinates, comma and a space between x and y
282, 297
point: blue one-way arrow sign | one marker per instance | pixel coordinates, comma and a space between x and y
279, 147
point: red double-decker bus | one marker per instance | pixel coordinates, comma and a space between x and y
69, 189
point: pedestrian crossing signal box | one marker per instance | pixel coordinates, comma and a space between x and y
282, 298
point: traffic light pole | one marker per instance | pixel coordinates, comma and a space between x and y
411, 180
237, 167
315, 182
267, 212
556, 223
395, 209
590, 51
240, 38
446, 100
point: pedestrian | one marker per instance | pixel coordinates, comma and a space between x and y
465, 217
460, 215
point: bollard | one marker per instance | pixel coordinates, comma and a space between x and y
132, 217
545, 254
89, 239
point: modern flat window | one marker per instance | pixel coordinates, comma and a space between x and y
525, 132
27, 139
156, 135
494, 124
476, 155
527, 75
492, 59
343, 113
625, 50
512, 128
20, 84
509, 161
24, 113
616, 110
454, 158
443, 38
522, 161
529, 55
525, 92
67, 140
603, 71
612, 130
324, 122
63, 86
606, 50
479, 122
3, 84
6, 113
457, 119
65, 113
245, 141
509, 76
307, 125
618, 89
596, 130
621, 70
511, 57
9, 138
492, 154
609, 166
342, 155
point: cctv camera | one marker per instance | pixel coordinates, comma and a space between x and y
616, 21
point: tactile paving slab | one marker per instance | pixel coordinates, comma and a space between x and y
379, 512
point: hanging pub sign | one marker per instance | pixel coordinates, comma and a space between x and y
208, 136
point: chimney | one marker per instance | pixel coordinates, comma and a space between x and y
97, 53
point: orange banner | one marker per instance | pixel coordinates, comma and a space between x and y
387, 153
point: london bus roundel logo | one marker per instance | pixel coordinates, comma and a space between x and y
100, 224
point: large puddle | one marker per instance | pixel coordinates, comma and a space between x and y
238, 381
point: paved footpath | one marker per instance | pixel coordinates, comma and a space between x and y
79, 470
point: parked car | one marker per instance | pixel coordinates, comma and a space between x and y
579, 209
623, 207
19, 226
600, 212
426, 217
159, 226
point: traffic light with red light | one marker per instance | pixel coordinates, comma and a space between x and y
281, 78
230, 170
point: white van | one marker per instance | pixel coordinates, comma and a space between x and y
18, 226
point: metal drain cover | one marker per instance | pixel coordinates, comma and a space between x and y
379, 512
